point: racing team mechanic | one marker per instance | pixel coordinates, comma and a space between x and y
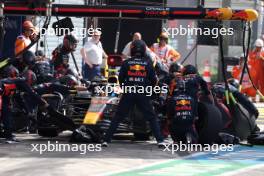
233, 84
60, 56
24, 40
193, 82
8, 85
175, 71
136, 71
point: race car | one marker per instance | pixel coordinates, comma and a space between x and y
91, 112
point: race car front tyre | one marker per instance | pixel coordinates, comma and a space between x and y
243, 123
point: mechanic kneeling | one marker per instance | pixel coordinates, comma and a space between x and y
182, 108
8, 85
136, 71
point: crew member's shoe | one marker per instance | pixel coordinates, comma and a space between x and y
12, 140
104, 144
162, 144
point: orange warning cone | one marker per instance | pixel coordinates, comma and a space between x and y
207, 72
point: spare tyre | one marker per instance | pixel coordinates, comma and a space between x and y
209, 124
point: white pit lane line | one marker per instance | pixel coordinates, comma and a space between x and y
241, 171
224, 157
152, 164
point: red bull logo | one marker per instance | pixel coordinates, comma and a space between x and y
137, 68
137, 73
183, 102
183, 108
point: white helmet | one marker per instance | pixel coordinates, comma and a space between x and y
259, 43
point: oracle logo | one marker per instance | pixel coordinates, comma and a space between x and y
157, 8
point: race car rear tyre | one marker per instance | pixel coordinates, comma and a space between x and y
244, 123
48, 132
140, 126
209, 124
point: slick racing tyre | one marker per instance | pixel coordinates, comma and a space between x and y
140, 126
209, 124
243, 122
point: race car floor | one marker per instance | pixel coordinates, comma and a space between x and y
124, 158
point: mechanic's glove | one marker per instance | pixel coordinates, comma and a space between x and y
87, 83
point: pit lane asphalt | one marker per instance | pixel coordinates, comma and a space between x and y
17, 159
123, 157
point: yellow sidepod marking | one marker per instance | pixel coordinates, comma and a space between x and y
91, 118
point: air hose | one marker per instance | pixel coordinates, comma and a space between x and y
190, 52
245, 66
228, 93
246, 54
118, 32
